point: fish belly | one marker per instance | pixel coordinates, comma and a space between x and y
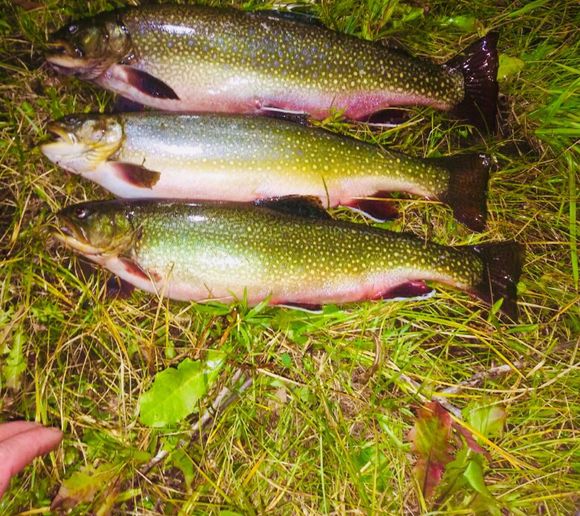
252, 96
226, 290
211, 183
232, 61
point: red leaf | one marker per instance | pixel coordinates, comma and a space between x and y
469, 439
431, 442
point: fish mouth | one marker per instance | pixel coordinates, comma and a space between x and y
72, 149
62, 56
67, 61
60, 134
61, 47
62, 147
74, 237
66, 64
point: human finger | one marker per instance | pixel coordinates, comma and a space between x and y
15, 427
20, 449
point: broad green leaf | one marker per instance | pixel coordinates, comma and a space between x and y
176, 392
509, 66
431, 442
286, 359
487, 420
464, 475
372, 465
83, 485
453, 480
474, 475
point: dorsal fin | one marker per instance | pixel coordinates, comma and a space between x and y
307, 207
292, 16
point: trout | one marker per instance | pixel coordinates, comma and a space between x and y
288, 251
245, 158
206, 59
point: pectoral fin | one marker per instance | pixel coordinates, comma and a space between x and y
134, 269
116, 288
147, 84
136, 175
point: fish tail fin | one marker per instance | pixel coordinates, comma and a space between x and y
502, 268
467, 191
479, 64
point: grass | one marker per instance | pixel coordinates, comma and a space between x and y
323, 426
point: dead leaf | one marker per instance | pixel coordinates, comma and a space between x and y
83, 485
469, 439
431, 442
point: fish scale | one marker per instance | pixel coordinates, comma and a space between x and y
245, 158
288, 251
308, 59
198, 58
271, 147
286, 254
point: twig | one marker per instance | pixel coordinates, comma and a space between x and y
478, 378
368, 374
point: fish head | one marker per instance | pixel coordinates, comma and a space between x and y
96, 229
80, 143
87, 48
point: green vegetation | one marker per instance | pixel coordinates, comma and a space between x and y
326, 401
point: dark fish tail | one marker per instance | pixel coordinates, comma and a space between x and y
502, 268
479, 63
467, 191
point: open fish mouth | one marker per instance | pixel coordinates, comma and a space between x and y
63, 57
62, 146
67, 65
73, 236
68, 62
59, 134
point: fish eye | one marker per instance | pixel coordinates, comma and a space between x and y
81, 213
73, 29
